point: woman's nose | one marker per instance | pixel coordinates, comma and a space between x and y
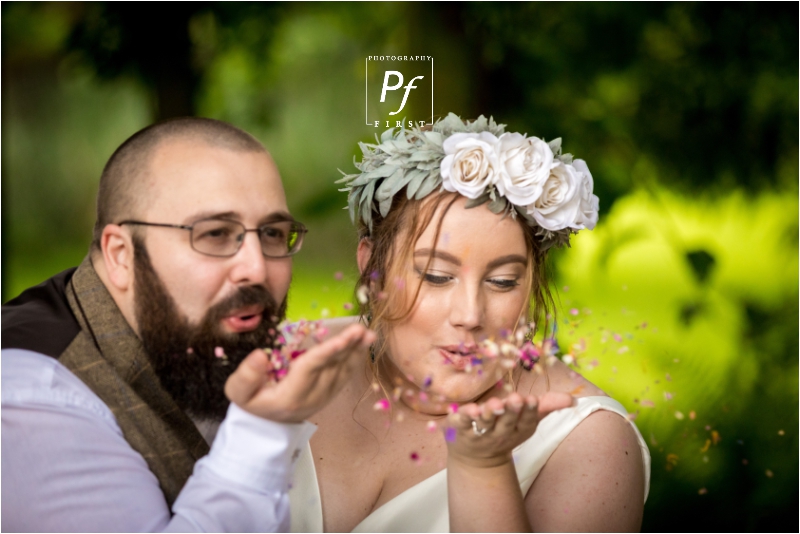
467, 308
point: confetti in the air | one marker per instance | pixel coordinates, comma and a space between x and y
363, 294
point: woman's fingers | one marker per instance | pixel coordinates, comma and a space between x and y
529, 416
554, 400
513, 407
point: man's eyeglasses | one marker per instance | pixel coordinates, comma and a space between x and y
223, 238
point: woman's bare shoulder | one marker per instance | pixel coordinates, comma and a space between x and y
597, 473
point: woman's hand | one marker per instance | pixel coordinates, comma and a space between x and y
487, 433
483, 490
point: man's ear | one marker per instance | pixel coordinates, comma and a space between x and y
117, 247
364, 253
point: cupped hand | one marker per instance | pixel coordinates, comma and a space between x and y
311, 382
486, 434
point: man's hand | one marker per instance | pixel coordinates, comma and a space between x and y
312, 381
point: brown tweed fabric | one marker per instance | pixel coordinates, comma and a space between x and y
109, 358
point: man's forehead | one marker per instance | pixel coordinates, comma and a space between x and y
187, 176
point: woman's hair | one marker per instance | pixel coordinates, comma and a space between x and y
392, 238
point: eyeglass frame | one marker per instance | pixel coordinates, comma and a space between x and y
301, 230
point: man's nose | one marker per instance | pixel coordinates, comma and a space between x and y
467, 307
250, 264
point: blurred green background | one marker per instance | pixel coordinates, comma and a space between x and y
683, 303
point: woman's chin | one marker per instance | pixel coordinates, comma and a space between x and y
462, 388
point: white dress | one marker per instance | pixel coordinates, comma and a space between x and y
423, 507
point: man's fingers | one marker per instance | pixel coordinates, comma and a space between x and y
336, 348
248, 377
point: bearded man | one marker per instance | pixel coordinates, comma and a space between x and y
115, 374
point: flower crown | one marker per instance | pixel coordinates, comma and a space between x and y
515, 174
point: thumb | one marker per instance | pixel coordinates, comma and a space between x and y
554, 400
248, 377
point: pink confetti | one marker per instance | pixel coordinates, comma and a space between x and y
432, 427
338, 275
347, 306
382, 405
574, 311
190, 350
414, 456
219, 352
453, 408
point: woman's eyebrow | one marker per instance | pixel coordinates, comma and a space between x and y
438, 254
511, 258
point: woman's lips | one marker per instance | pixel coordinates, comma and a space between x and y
244, 320
457, 358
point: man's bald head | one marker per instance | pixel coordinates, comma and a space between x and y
121, 192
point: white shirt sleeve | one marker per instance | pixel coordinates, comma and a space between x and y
67, 467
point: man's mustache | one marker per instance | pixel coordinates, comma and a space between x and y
244, 296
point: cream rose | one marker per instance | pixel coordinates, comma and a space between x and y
525, 165
470, 163
589, 205
559, 204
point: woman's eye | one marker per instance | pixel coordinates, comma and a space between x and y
436, 279
503, 283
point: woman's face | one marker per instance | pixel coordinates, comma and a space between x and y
474, 287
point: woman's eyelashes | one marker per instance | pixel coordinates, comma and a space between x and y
503, 284
435, 279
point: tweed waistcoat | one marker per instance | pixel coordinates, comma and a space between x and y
109, 358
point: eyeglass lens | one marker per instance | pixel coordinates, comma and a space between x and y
224, 238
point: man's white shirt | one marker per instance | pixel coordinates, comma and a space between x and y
67, 467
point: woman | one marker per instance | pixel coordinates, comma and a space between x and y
443, 430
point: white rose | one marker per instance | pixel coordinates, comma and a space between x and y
559, 204
470, 163
587, 214
525, 164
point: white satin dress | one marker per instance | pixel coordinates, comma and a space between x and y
423, 507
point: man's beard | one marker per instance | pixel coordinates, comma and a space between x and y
187, 357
